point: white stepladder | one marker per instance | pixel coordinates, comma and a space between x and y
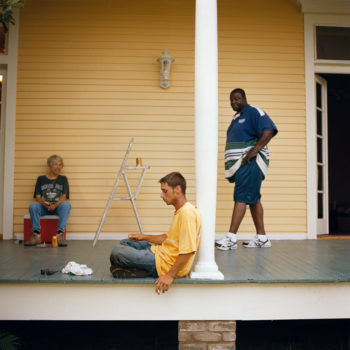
132, 197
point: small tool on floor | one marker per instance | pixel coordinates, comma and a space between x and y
48, 272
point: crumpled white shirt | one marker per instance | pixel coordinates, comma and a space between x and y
77, 269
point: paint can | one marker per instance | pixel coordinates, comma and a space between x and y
54, 242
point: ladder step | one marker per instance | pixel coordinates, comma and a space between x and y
122, 198
136, 167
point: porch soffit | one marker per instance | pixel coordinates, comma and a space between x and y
324, 6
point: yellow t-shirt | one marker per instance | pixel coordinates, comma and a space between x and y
183, 238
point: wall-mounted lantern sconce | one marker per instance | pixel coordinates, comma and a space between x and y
165, 63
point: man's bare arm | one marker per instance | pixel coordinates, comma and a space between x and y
53, 206
155, 239
163, 282
42, 202
263, 140
48, 205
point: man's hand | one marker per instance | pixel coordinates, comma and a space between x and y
163, 283
154, 239
46, 205
52, 206
263, 140
247, 158
135, 236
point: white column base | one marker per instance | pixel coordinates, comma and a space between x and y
206, 271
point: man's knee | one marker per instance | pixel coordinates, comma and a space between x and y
34, 206
124, 241
64, 207
117, 253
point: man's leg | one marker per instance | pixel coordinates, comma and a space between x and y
237, 216
139, 245
128, 254
36, 210
229, 242
250, 178
62, 210
261, 240
257, 212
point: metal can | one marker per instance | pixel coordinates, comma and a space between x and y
138, 161
54, 242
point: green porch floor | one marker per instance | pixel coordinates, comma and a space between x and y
287, 261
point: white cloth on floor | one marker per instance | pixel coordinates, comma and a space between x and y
77, 269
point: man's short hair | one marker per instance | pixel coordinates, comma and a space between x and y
175, 179
53, 159
239, 91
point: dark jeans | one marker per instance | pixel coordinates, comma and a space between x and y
127, 253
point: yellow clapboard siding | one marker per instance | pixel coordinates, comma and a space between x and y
23, 96
134, 74
88, 81
107, 146
147, 142
104, 118
297, 189
290, 158
95, 125
86, 162
29, 104
102, 63
121, 142
257, 67
29, 97
113, 110
107, 228
151, 203
118, 96
113, 220
98, 86
293, 213
115, 211
108, 132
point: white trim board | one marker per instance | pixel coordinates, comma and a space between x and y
312, 66
116, 301
10, 61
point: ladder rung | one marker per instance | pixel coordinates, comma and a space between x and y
136, 167
122, 198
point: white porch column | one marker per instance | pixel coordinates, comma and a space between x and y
206, 133
9, 62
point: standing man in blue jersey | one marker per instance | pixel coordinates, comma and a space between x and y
246, 163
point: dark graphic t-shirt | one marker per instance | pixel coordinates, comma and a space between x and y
51, 190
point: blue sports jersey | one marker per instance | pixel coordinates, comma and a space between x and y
249, 124
242, 135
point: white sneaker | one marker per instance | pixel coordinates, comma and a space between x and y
225, 244
257, 243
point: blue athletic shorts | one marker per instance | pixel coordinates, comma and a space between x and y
248, 179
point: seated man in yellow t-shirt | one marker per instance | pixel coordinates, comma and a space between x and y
165, 256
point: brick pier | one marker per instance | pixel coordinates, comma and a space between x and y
207, 335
